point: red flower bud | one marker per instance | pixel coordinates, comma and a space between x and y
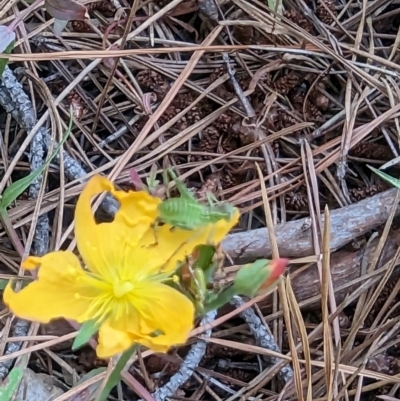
277, 267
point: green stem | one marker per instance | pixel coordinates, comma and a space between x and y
221, 299
115, 375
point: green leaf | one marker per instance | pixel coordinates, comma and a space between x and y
4, 61
87, 330
3, 283
18, 187
151, 181
115, 375
204, 261
395, 182
13, 380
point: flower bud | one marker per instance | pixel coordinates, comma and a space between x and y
277, 268
255, 278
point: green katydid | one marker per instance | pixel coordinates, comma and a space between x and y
187, 213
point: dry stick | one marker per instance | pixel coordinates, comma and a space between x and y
41, 239
294, 238
262, 337
16, 102
346, 273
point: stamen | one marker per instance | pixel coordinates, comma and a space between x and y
122, 288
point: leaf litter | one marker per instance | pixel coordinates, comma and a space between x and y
302, 95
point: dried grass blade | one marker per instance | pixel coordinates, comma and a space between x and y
371, 300
298, 318
327, 340
307, 158
292, 345
346, 369
268, 214
281, 287
164, 104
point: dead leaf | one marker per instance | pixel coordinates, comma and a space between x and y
66, 10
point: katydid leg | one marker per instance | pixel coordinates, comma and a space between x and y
166, 181
155, 229
181, 187
211, 198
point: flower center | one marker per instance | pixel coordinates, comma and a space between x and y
122, 288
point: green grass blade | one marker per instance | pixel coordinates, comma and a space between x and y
18, 187
276, 5
115, 375
3, 283
395, 182
13, 380
4, 61
87, 330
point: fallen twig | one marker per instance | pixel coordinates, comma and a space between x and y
294, 238
40, 245
263, 338
238, 90
346, 271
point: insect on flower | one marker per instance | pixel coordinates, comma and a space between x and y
187, 213
124, 286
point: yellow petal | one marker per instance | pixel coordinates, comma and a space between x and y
58, 292
136, 205
158, 309
112, 341
103, 245
31, 263
174, 244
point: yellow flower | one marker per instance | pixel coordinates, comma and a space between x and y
123, 286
